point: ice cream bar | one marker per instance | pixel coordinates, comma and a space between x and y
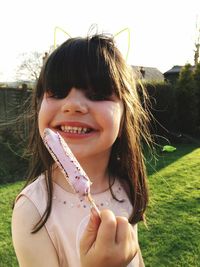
69, 165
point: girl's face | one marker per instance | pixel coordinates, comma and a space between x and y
90, 127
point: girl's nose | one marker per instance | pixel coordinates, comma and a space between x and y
75, 102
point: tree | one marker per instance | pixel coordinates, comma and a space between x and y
30, 66
196, 77
187, 109
197, 45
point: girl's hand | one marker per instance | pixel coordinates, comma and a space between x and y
108, 241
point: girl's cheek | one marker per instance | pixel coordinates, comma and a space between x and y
48, 106
41, 122
43, 116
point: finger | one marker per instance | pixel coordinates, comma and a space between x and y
90, 233
133, 243
125, 238
107, 229
123, 231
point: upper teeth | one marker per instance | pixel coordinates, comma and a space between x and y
71, 129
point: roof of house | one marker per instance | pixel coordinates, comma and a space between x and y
175, 69
148, 73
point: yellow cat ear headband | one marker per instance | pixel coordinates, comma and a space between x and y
116, 37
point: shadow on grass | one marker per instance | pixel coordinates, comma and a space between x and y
155, 161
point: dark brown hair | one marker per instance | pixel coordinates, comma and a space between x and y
94, 65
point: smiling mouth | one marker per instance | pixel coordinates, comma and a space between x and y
75, 130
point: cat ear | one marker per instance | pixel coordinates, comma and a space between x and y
58, 37
122, 40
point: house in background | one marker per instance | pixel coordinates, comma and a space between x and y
173, 74
148, 74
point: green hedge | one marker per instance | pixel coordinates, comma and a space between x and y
163, 106
13, 165
176, 107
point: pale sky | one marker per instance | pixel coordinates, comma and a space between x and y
162, 32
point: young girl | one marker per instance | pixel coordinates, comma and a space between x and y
87, 93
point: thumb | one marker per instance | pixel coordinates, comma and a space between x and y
90, 233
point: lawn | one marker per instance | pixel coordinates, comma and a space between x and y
7, 193
172, 238
173, 235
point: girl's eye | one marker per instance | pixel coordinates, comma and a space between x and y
97, 97
56, 95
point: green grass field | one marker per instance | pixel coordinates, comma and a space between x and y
173, 235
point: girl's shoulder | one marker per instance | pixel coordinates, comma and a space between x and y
35, 193
25, 216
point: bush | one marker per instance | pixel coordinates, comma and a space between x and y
196, 77
163, 105
13, 164
176, 107
187, 113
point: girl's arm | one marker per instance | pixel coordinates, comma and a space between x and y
141, 262
32, 250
